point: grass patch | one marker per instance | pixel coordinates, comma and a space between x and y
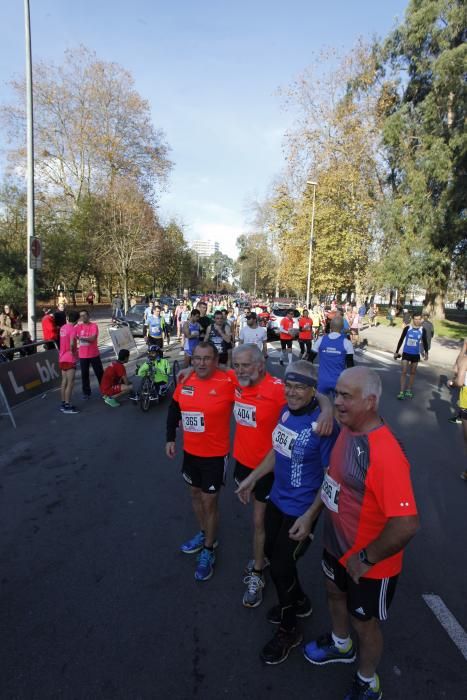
451, 329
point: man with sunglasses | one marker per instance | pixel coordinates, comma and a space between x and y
253, 333
298, 460
203, 405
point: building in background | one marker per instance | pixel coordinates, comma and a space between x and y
205, 248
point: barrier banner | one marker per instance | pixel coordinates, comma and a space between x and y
122, 339
29, 376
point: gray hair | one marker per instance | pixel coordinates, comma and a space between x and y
372, 386
256, 354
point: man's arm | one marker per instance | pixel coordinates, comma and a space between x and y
174, 415
401, 339
395, 535
325, 422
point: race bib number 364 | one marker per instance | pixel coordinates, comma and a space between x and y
283, 440
193, 421
330, 493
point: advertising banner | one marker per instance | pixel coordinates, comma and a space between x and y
29, 376
122, 339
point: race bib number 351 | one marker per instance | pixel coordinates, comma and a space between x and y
283, 440
330, 493
193, 421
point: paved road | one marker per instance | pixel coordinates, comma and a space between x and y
97, 602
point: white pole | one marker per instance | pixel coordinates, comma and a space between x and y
310, 255
30, 174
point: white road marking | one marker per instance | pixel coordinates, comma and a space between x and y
448, 621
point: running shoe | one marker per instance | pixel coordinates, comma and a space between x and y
408, 394
251, 565
278, 649
69, 409
302, 609
196, 544
205, 568
111, 402
253, 595
455, 420
401, 395
363, 691
323, 651
463, 475
86, 397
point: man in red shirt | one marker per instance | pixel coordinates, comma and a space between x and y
49, 329
305, 324
203, 405
370, 515
286, 336
114, 381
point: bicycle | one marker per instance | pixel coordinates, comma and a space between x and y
150, 392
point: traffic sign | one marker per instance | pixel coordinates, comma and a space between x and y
35, 258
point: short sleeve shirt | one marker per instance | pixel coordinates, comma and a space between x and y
112, 376
206, 407
257, 335
285, 325
87, 348
67, 335
368, 482
256, 412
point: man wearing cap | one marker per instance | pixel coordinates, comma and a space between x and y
298, 460
253, 333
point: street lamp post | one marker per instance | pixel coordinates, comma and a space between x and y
310, 254
30, 176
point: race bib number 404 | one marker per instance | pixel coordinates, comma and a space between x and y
283, 440
193, 421
330, 493
245, 414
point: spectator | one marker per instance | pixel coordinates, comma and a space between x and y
429, 329
87, 334
6, 326
90, 298
49, 329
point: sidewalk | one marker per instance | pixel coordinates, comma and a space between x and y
443, 352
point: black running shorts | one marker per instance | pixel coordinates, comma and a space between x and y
205, 473
368, 598
407, 357
262, 487
286, 344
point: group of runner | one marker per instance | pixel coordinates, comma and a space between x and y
294, 460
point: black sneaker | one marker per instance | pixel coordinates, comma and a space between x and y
455, 420
302, 609
70, 409
278, 649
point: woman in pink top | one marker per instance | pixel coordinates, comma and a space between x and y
87, 333
67, 358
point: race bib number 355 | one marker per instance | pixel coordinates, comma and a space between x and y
283, 440
193, 421
330, 493
245, 414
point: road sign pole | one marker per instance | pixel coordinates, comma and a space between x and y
30, 175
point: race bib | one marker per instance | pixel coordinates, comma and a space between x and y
245, 414
330, 493
283, 440
193, 421
412, 342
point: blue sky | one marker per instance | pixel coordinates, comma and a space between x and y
210, 70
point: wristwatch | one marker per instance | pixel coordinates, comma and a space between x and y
364, 559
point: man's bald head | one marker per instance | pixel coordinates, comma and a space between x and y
367, 380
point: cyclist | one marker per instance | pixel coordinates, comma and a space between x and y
157, 368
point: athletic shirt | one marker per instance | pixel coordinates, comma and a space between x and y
301, 456
83, 331
331, 362
305, 325
463, 394
67, 335
412, 341
285, 325
167, 317
155, 326
368, 482
256, 412
191, 343
218, 340
112, 376
206, 406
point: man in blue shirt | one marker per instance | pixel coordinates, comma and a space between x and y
156, 326
414, 339
298, 460
335, 353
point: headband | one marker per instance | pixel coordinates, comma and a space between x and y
300, 378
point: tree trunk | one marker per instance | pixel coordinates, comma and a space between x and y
98, 289
125, 290
434, 304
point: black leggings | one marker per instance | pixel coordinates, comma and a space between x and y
283, 554
305, 344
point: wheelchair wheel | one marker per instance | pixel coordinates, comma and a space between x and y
145, 394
